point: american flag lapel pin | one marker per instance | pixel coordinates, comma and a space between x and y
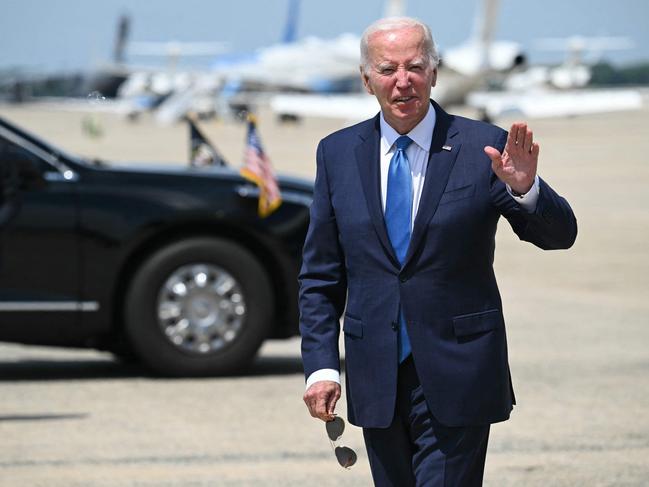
447, 147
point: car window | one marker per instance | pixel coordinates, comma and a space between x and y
13, 155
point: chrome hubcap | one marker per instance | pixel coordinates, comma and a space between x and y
201, 308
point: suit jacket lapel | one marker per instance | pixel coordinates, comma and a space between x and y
440, 163
368, 160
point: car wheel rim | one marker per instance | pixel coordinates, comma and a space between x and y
201, 308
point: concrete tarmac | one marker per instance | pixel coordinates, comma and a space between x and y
577, 322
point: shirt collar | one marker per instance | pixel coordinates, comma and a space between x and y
421, 134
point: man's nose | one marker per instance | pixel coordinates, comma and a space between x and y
403, 78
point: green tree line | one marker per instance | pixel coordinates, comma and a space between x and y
605, 74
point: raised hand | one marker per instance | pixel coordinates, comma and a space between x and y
516, 166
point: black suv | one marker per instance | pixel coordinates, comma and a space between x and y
171, 265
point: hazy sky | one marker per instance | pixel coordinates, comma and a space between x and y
78, 34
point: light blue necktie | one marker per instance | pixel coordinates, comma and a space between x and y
398, 212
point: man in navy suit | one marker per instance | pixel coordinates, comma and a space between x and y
401, 240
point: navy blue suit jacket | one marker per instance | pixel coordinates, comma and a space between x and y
446, 287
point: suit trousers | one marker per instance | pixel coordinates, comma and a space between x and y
417, 450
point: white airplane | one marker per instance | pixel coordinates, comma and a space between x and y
574, 72
559, 91
149, 87
464, 68
308, 65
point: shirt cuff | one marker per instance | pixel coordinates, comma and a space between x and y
323, 374
529, 200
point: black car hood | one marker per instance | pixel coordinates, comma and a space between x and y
285, 182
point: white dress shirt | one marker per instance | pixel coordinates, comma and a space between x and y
417, 153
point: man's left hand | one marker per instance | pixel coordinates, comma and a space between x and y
516, 166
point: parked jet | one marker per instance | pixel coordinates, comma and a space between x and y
557, 91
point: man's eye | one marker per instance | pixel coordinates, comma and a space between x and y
387, 70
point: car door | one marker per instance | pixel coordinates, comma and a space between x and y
39, 258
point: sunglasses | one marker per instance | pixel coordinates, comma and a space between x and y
346, 456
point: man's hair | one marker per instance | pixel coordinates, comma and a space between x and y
397, 23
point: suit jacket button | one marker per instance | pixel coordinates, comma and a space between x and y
403, 278
395, 325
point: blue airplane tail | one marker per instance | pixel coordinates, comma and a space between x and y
290, 29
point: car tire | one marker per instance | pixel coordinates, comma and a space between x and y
200, 306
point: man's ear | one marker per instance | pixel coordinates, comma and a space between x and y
366, 82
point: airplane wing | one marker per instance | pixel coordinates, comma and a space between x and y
352, 107
548, 103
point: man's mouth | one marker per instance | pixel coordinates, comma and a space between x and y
403, 99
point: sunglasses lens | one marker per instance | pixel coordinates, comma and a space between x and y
335, 428
346, 456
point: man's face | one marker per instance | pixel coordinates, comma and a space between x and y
400, 76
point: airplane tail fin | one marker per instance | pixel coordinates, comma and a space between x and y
484, 27
123, 28
290, 29
484, 23
394, 8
